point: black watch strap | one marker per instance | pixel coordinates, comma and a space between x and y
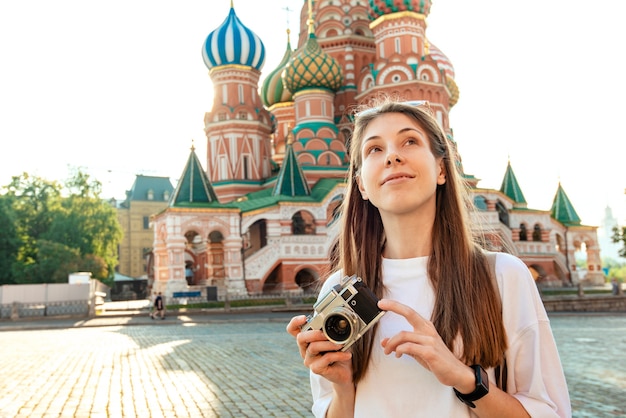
482, 387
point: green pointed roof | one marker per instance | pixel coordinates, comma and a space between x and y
511, 188
194, 185
291, 180
266, 198
563, 210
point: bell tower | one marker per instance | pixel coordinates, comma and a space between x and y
238, 127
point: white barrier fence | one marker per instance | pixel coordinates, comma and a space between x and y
51, 299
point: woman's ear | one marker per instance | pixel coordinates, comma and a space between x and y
361, 188
441, 178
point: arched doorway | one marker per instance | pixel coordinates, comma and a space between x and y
217, 272
308, 280
273, 283
195, 257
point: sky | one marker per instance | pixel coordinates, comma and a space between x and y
118, 88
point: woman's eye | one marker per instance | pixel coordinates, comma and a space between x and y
373, 149
411, 141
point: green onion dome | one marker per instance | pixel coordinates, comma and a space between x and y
273, 90
453, 88
383, 7
311, 67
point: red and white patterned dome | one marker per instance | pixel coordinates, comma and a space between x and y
443, 62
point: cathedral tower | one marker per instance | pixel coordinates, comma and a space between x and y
313, 77
238, 126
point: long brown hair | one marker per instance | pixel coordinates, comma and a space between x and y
466, 304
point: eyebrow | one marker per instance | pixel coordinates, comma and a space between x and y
401, 131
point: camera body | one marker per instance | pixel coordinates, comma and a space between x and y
345, 313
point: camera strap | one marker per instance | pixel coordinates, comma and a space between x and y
501, 369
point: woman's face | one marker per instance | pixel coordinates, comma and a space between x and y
399, 173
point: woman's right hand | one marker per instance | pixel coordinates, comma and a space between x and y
320, 355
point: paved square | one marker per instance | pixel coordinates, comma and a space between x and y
239, 369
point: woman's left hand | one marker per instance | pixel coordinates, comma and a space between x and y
424, 344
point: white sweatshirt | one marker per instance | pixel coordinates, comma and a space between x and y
401, 387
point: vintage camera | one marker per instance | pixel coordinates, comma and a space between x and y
345, 313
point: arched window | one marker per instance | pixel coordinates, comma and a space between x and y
523, 234
302, 223
537, 233
480, 202
503, 214
190, 237
560, 244
333, 211
216, 236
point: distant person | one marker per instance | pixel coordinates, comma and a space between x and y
615, 286
189, 275
159, 307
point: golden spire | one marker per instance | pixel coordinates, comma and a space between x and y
310, 19
231, 4
193, 147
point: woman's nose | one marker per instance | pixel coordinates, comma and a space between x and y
393, 158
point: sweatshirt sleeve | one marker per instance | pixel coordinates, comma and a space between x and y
322, 391
535, 374
321, 388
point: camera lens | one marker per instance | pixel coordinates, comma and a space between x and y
338, 328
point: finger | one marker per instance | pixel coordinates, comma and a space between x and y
393, 343
317, 348
320, 364
415, 319
304, 339
293, 327
317, 339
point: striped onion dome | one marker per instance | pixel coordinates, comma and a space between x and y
233, 43
383, 7
273, 90
311, 67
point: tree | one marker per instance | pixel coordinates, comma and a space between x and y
10, 242
619, 235
618, 272
33, 200
60, 235
87, 223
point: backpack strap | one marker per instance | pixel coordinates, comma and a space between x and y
501, 369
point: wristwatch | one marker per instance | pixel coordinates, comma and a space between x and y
482, 387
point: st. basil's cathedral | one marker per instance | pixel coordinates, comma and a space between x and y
259, 214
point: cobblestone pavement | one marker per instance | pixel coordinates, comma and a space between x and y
593, 353
182, 367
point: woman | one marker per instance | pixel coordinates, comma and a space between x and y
406, 234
